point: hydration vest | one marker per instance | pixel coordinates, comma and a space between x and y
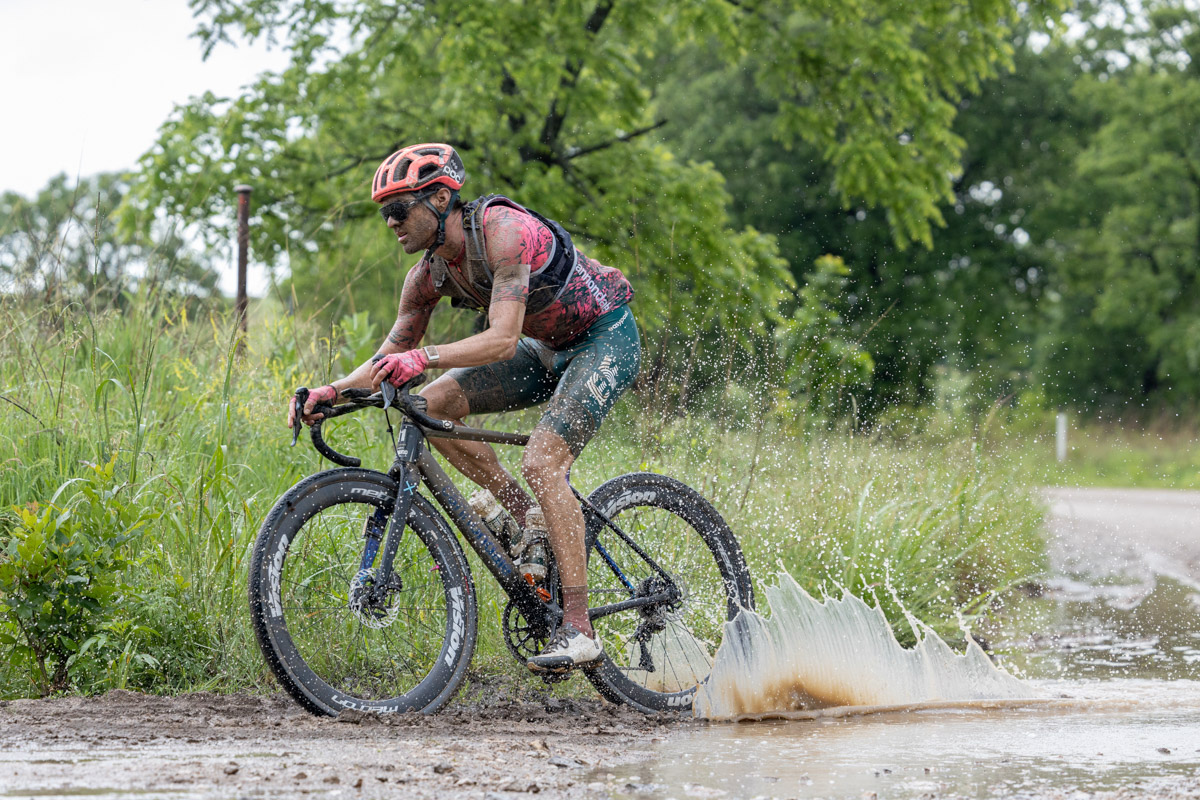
470, 284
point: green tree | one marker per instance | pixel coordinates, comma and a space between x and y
552, 103
63, 244
1125, 322
971, 300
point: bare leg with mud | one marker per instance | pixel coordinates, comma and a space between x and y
476, 460
547, 460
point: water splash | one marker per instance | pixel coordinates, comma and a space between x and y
814, 654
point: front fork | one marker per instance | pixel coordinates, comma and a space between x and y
408, 448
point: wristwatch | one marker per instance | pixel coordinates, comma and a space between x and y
431, 353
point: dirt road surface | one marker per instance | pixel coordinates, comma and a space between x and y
218, 746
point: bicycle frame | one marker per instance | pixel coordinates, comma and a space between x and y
413, 460
413, 466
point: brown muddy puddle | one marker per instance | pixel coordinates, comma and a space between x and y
1113, 672
1113, 734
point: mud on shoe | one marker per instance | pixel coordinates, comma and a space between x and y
568, 649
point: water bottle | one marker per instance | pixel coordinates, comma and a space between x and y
498, 521
532, 560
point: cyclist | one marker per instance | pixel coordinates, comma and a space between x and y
559, 329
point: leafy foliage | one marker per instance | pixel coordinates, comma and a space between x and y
1064, 273
213, 458
819, 363
967, 301
554, 106
62, 574
1129, 323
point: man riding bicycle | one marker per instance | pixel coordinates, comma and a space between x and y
559, 329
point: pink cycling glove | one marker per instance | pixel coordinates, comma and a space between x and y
399, 368
323, 394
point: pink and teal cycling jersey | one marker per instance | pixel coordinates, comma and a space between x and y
558, 312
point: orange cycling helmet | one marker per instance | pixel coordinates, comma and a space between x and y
417, 167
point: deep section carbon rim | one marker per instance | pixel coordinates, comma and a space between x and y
339, 639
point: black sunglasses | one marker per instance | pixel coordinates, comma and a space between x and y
398, 210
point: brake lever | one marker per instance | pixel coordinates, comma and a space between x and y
301, 398
386, 387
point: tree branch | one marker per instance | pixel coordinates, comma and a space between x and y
583, 151
580, 184
382, 26
508, 87
552, 126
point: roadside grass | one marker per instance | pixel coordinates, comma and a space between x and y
1162, 453
196, 436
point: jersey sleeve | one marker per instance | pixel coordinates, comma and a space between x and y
514, 237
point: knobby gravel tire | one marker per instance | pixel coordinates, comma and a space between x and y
305, 561
690, 540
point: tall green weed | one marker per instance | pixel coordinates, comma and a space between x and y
190, 429
64, 576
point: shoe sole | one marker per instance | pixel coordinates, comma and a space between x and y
570, 666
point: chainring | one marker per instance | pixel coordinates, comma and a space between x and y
522, 640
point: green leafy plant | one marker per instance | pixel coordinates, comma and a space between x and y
61, 574
360, 339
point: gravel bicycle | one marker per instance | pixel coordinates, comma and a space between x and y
361, 596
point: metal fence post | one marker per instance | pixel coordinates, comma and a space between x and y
243, 241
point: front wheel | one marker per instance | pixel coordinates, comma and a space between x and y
330, 645
656, 655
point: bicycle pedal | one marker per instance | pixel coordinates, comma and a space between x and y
551, 678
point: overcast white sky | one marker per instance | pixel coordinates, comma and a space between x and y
85, 85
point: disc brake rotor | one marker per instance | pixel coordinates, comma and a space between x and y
373, 614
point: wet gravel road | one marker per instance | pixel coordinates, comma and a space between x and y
216, 746
1102, 531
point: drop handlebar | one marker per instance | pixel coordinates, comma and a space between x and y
363, 398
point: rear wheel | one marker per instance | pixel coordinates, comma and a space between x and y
656, 655
332, 642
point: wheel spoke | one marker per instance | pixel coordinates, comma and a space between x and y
655, 516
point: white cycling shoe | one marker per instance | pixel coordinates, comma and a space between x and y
568, 649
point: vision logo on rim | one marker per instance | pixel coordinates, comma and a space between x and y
628, 499
458, 627
275, 577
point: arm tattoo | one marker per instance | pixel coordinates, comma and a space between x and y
408, 330
417, 301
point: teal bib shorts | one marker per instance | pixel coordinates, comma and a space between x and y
582, 380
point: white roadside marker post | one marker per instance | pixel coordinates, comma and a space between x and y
1060, 438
